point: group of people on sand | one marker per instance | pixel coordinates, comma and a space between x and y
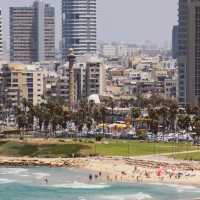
140, 174
95, 176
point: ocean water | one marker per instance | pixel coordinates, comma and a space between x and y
72, 184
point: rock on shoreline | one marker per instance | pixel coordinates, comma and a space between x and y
50, 162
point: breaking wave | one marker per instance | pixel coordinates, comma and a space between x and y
77, 185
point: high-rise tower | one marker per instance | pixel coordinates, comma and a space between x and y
175, 42
79, 26
189, 52
32, 33
1, 36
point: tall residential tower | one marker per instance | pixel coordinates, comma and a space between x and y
175, 42
1, 36
189, 52
32, 33
79, 26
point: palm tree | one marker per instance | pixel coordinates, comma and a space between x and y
103, 116
154, 117
30, 119
111, 104
55, 120
39, 114
163, 114
96, 114
181, 122
196, 128
187, 122
22, 122
173, 111
24, 104
196, 110
189, 109
135, 112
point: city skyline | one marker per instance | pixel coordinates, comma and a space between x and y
149, 27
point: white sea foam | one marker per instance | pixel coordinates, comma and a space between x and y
138, 196
82, 198
12, 171
5, 181
40, 175
180, 188
77, 185
184, 188
24, 175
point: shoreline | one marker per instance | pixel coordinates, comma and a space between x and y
122, 169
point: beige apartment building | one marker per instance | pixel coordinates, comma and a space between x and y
22, 81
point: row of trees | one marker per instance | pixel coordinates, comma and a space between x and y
54, 114
168, 116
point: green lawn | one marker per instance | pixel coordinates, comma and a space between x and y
195, 156
67, 148
135, 148
32, 150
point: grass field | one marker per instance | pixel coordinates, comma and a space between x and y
68, 148
195, 156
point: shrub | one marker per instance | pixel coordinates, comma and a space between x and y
142, 135
99, 138
21, 137
93, 155
90, 141
12, 132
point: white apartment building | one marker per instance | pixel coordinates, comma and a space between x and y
35, 84
95, 76
89, 76
171, 88
62, 85
109, 50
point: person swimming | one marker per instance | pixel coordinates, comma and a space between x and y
90, 177
46, 180
96, 176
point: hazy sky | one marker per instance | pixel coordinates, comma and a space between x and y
133, 21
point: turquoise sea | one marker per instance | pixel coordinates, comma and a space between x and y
72, 184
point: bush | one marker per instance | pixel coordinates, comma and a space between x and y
142, 135
99, 138
90, 141
12, 132
21, 137
93, 155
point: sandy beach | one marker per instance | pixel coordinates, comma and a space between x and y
147, 169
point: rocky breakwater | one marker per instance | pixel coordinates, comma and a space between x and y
51, 162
